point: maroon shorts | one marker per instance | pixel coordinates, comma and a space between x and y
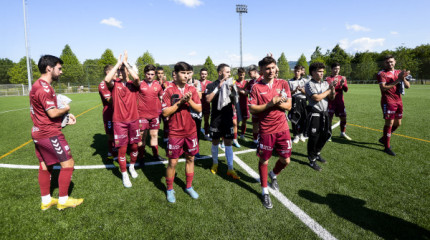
281, 142
337, 109
126, 133
177, 146
108, 127
392, 110
145, 124
52, 150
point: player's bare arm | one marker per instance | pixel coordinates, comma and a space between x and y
172, 109
285, 105
55, 112
112, 72
276, 100
136, 80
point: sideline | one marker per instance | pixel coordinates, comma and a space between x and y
15, 110
31, 140
377, 130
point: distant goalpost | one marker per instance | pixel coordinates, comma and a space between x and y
13, 90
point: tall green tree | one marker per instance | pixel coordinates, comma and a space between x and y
317, 56
142, 61
339, 55
5, 65
365, 67
107, 58
212, 73
72, 68
302, 61
284, 68
93, 71
422, 53
406, 59
18, 73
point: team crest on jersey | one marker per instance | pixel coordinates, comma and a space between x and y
155, 89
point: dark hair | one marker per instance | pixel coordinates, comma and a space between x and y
108, 67
148, 68
241, 70
252, 68
388, 57
191, 68
159, 69
298, 67
221, 67
315, 66
48, 60
203, 69
182, 66
266, 61
335, 64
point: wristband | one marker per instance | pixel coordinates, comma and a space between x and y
215, 90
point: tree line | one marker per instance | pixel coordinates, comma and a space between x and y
360, 66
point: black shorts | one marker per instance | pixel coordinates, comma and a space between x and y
221, 126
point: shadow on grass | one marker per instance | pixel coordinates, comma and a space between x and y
382, 224
366, 145
154, 173
100, 148
54, 182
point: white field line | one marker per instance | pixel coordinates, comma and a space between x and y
108, 166
335, 125
15, 110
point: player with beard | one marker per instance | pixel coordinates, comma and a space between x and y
178, 100
106, 97
392, 83
221, 121
149, 109
255, 77
206, 107
337, 106
50, 145
269, 99
125, 115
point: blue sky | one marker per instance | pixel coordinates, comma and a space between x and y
191, 30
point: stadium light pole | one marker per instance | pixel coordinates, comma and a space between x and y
241, 8
29, 70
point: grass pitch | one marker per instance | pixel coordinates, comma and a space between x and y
361, 193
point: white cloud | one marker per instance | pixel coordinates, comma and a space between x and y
192, 53
112, 22
190, 3
362, 44
357, 28
394, 32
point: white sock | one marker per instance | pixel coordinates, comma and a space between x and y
229, 156
124, 174
214, 151
265, 190
131, 166
46, 199
63, 200
272, 175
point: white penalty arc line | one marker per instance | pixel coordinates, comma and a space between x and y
14, 110
109, 166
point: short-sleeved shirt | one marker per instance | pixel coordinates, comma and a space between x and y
42, 99
124, 100
313, 87
391, 95
181, 124
149, 106
294, 83
105, 94
271, 120
227, 111
338, 99
251, 83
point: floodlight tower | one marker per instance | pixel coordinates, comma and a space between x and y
29, 69
241, 8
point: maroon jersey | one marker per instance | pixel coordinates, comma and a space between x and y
205, 105
124, 101
43, 98
243, 98
272, 120
106, 94
338, 99
181, 124
391, 95
149, 99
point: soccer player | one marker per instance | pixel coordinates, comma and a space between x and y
318, 93
177, 101
125, 115
391, 83
197, 116
221, 120
106, 97
255, 77
298, 112
160, 76
337, 106
269, 99
50, 145
243, 100
149, 109
206, 107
